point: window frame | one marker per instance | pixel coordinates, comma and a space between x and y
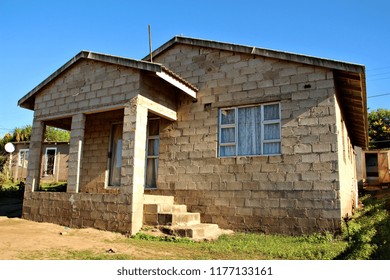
20, 160
47, 159
263, 123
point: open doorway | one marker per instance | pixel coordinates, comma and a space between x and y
371, 165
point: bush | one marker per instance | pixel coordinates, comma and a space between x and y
16, 190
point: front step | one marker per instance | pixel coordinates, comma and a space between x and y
179, 219
175, 220
158, 199
197, 232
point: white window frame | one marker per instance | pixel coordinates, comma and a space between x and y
46, 159
25, 163
262, 136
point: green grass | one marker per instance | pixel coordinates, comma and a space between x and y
368, 233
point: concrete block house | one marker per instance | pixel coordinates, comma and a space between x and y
248, 138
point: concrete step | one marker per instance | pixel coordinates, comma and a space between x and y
174, 219
164, 208
158, 199
178, 219
198, 232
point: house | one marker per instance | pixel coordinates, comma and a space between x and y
54, 162
249, 138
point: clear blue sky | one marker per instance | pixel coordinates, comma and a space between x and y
37, 37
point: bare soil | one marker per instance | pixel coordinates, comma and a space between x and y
22, 239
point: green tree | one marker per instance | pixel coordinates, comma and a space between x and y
379, 128
56, 135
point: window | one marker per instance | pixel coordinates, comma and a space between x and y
250, 130
50, 159
152, 153
23, 157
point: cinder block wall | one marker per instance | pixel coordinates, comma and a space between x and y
295, 192
101, 211
87, 87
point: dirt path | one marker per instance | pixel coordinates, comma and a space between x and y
20, 239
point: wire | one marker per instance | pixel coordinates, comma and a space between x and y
378, 95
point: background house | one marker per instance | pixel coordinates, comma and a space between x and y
54, 163
250, 138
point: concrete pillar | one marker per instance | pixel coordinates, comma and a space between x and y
35, 156
133, 156
75, 152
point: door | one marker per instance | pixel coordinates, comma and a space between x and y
152, 150
383, 167
50, 160
115, 155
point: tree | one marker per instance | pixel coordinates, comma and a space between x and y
56, 135
379, 128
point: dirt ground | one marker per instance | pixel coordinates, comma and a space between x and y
23, 239
20, 238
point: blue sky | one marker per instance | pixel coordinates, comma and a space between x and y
37, 37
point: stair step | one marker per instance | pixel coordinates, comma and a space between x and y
160, 210
158, 199
196, 232
179, 219
164, 208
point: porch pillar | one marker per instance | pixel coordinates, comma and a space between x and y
35, 156
133, 159
75, 152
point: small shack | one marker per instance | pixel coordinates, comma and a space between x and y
375, 166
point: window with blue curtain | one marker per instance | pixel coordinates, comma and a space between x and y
250, 130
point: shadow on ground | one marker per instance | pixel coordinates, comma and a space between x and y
11, 207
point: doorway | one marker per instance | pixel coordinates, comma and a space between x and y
152, 152
115, 155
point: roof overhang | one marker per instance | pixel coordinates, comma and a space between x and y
351, 94
164, 73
